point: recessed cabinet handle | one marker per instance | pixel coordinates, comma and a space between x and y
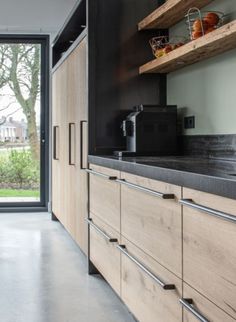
187, 303
190, 203
99, 174
55, 142
165, 286
101, 232
71, 143
150, 191
82, 144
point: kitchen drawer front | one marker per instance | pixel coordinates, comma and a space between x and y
202, 306
143, 295
104, 253
152, 223
209, 252
105, 196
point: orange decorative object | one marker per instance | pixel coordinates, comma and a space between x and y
196, 34
162, 45
210, 30
168, 49
212, 19
199, 24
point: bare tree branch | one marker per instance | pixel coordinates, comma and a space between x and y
6, 107
4, 119
20, 71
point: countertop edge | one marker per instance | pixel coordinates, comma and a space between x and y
214, 185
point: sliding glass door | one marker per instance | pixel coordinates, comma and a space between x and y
23, 121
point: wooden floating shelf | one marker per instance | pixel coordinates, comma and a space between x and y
212, 44
171, 12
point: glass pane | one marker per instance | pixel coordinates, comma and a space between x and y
20, 72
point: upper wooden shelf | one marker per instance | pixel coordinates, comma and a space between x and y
212, 44
171, 12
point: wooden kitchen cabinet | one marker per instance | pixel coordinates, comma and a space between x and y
72, 129
105, 196
77, 186
146, 299
83, 84
103, 252
204, 307
59, 106
151, 222
161, 244
209, 253
69, 180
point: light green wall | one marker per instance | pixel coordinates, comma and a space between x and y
207, 89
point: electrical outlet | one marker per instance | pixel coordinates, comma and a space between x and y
189, 122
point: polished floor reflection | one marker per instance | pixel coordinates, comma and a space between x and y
43, 276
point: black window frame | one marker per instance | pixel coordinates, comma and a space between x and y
42, 205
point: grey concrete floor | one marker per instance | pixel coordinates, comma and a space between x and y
43, 276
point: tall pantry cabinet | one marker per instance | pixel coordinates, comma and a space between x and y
96, 83
70, 116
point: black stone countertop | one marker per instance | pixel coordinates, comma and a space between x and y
213, 175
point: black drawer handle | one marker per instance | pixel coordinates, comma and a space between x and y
101, 232
188, 304
190, 203
55, 142
71, 138
82, 144
149, 191
99, 174
165, 286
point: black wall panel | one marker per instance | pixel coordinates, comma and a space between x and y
117, 50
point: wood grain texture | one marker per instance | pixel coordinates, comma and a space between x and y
105, 197
151, 223
104, 255
171, 12
73, 76
70, 186
77, 188
81, 191
212, 44
209, 254
203, 306
59, 106
144, 297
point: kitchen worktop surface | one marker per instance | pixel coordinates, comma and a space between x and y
213, 175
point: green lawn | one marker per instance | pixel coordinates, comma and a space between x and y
19, 193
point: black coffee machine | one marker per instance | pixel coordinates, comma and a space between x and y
150, 130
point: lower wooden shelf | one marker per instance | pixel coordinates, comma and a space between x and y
212, 44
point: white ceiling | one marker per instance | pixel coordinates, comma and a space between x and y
34, 16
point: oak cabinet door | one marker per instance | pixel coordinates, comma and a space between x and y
59, 106
143, 295
103, 253
203, 307
105, 196
76, 119
209, 252
152, 223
